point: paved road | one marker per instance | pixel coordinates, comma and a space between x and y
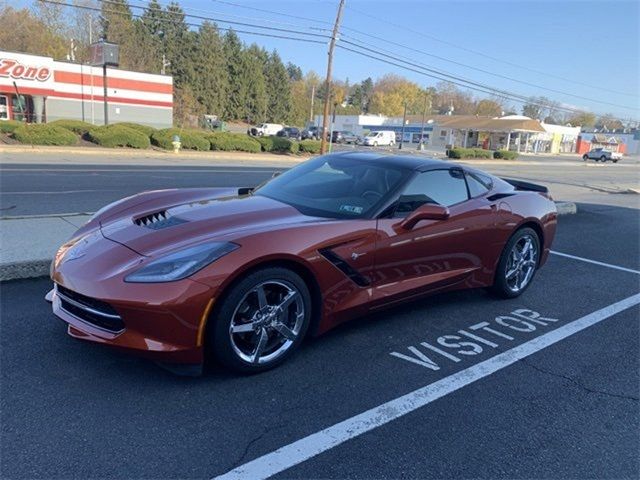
74, 410
63, 184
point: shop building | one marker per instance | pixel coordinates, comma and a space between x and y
39, 89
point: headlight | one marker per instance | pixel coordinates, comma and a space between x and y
181, 264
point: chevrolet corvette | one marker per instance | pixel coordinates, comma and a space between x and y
243, 275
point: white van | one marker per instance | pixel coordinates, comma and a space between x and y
265, 129
380, 137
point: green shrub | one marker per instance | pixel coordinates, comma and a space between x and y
310, 146
505, 154
76, 126
8, 126
148, 131
230, 142
458, 153
44, 134
266, 143
118, 136
190, 139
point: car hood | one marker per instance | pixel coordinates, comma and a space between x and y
171, 227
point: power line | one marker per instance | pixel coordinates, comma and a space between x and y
477, 87
219, 20
482, 54
272, 12
197, 25
378, 49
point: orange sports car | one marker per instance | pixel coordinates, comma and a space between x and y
245, 274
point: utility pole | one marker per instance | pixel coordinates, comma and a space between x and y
327, 82
404, 122
313, 96
424, 114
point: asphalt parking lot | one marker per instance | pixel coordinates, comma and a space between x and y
510, 410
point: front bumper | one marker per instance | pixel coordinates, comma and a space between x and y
161, 321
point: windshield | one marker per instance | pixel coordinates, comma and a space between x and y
372, 134
336, 187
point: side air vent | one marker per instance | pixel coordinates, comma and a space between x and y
342, 265
158, 220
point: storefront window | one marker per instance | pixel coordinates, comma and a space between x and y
4, 107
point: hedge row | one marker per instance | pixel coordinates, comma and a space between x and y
230, 142
125, 134
44, 134
505, 154
469, 153
118, 136
278, 145
76, 126
189, 139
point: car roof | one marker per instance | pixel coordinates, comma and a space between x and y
410, 162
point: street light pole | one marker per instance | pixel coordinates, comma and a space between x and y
327, 81
104, 85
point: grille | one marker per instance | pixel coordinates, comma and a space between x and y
96, 312
158, 220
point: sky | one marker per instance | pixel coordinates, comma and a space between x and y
574, 52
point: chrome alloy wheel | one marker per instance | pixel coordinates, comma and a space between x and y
521, 264
267, 321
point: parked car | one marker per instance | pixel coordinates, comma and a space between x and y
290, 132
312, 133
180, 274
344, 136
602, 155
380, 137
265, 129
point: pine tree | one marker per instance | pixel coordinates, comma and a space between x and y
210, 83
254, 62
277, 78
238, 84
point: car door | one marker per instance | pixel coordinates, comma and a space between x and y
434, 253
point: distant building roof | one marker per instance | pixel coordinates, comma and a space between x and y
511, 123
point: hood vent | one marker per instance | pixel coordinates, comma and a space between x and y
158, 220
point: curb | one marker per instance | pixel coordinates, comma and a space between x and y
27, 269
566, 208
40, 268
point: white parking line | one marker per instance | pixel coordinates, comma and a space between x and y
595, 262
317, 443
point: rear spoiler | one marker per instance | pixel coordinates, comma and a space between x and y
521, 185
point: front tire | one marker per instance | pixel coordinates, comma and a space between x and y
261, 321
518, 264
603, 159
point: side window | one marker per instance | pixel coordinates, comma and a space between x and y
444, 187
478, 184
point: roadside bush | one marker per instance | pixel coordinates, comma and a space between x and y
76, 126
44, 134
266, 143
118, 136
310, 146
233, 142
458, 153
148, 131
8, 126
505, 154
190, 139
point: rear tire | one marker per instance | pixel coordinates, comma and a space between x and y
585, 157
261, 321
603, 159
518, 264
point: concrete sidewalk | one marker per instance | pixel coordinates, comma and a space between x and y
28, 244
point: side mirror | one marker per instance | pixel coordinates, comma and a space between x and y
428, 211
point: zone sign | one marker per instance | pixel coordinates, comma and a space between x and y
14, 69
